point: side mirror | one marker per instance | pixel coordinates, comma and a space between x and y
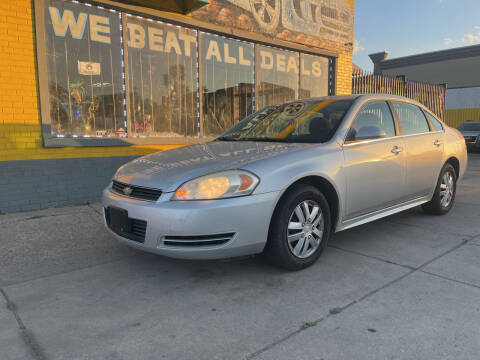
370, 132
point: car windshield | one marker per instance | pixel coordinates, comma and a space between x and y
469, 127
304, 121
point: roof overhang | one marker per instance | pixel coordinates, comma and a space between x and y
176, 6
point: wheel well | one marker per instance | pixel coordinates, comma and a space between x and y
326, 188
455, 163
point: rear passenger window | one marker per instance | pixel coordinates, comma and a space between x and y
437, 125
375, 114
412, 119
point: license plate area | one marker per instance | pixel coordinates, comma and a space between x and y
119, 220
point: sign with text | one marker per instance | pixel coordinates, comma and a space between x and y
88, 68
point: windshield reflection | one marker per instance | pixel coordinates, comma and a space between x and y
303, 121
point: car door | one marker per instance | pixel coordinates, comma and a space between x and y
374, 166
423, 149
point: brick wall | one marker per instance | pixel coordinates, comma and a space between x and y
31, 176
35, 184
20, 127
344, 62
344, 74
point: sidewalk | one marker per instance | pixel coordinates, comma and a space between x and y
405, 287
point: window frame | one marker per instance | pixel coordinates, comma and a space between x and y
392, 114
430, 124
400, 123
50, 141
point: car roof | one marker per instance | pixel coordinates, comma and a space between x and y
364, 98
361, 96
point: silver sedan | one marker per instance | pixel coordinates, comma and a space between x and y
285, 178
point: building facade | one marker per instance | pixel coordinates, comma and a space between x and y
88, 86
457, 68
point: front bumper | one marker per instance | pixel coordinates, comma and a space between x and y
247, 218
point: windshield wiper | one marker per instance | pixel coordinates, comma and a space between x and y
264, 139
223, 138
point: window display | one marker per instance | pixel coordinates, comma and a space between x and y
83, 56
110, 74
162, 77
313, 76
227, 82
276, 75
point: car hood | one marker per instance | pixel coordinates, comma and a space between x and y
469, 133
166, 170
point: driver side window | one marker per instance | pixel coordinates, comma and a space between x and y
374, 121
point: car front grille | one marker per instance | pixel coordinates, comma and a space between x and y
197, 240
139, 228
137, 192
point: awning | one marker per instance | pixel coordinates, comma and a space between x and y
177, 6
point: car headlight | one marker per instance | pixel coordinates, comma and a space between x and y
225, 184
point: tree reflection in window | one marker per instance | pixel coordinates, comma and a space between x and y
85, 84
162, 74
276, 75
227, 76
313, 76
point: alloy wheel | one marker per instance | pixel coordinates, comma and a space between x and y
446, 189
305, 229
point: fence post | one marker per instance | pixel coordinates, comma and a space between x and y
444, 103
432, 96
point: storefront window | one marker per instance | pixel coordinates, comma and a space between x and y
111, 78
276, 75
84, 65
162, 78
313, 76
227, 78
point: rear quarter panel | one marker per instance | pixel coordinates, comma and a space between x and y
455, 147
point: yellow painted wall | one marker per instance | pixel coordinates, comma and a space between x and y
344, 74
20, 125
344, 63
456, 117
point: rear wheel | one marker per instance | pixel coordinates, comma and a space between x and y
299, 229
444, 195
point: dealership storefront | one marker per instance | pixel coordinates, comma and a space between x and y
115, 80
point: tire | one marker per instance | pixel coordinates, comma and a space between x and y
272, 8
293, 254
439, 205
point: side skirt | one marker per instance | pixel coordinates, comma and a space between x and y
363, 219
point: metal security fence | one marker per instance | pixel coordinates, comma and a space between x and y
432, 96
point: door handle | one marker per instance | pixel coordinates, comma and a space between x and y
437, 143
396, 150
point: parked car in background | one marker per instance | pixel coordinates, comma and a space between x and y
471, 132
286, 177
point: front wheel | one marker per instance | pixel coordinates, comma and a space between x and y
444, 195
299, 229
